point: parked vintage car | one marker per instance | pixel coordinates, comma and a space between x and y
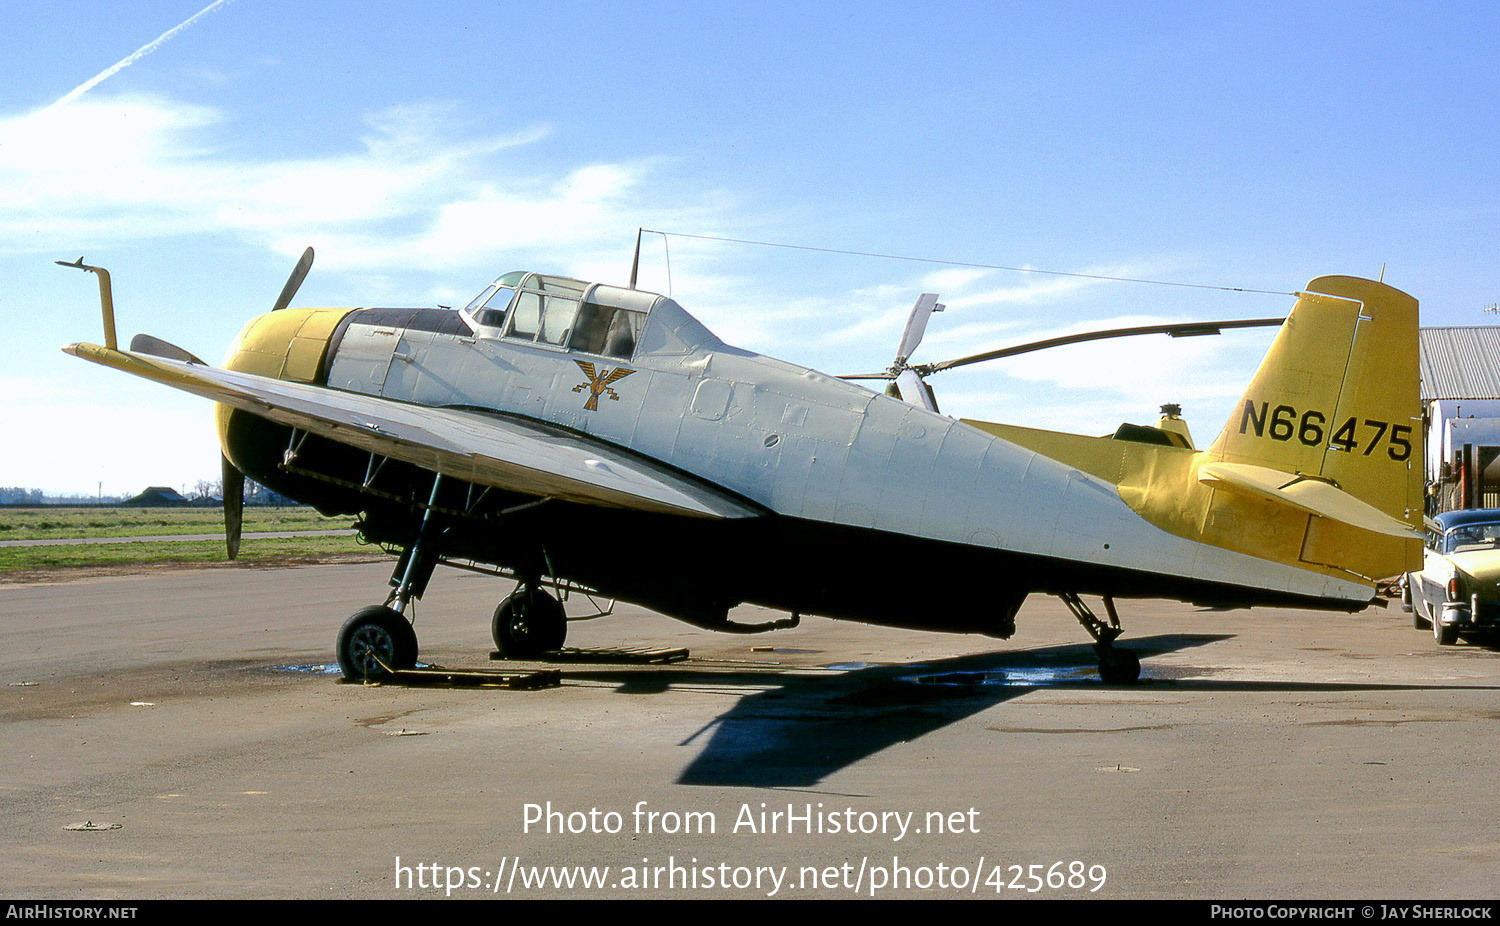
1458, 589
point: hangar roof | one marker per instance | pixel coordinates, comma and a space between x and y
1460, 363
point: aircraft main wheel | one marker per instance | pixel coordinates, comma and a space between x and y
372, 636
528, 624
1119, 666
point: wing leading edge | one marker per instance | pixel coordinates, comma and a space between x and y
481, 447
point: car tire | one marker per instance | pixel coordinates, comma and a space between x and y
1418, 605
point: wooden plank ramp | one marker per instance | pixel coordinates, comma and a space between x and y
627, 655
530, 680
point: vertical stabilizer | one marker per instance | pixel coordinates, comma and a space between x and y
1337, 398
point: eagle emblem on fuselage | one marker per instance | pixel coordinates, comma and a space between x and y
599, 382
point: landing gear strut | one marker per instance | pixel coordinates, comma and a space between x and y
1116, 666
378, 638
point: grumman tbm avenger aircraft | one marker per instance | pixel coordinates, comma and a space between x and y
578, 435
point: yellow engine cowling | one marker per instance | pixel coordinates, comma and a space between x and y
290, 344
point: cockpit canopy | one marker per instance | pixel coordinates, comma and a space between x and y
539, 309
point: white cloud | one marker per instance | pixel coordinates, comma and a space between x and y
953, 278
1090, 388
412, 193
1029, 291
1145, 361
1085, 388
419, 190
945, 341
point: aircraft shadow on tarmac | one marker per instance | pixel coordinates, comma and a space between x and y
798, 728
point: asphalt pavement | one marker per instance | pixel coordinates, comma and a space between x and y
178, 734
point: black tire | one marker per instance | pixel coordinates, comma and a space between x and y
528, 623
1417, 620
1445, 636
375, 632
1119, 667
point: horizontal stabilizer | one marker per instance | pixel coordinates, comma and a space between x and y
1308, 493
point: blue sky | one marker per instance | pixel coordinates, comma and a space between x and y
425, 149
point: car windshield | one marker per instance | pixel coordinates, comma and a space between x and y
1472, 537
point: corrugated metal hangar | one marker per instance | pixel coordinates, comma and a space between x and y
1461, 410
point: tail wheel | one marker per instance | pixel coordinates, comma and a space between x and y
374, 638
1119, 666
1116, 666
528, 623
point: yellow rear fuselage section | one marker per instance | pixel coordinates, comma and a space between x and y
1317, 466
1163, 486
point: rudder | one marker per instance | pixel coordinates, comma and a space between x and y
1337, 398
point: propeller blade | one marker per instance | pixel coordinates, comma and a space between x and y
234, 505
916, 326
293, 282
914, 391
1182, 330
156, 347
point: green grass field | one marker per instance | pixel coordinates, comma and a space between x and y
70, 523
22, 563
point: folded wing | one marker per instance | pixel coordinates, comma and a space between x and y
486, 448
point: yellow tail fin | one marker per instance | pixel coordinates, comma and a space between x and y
1336, 399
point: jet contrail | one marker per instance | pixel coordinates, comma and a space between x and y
135, 56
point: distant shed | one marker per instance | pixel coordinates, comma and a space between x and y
1460, 370
156, 497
